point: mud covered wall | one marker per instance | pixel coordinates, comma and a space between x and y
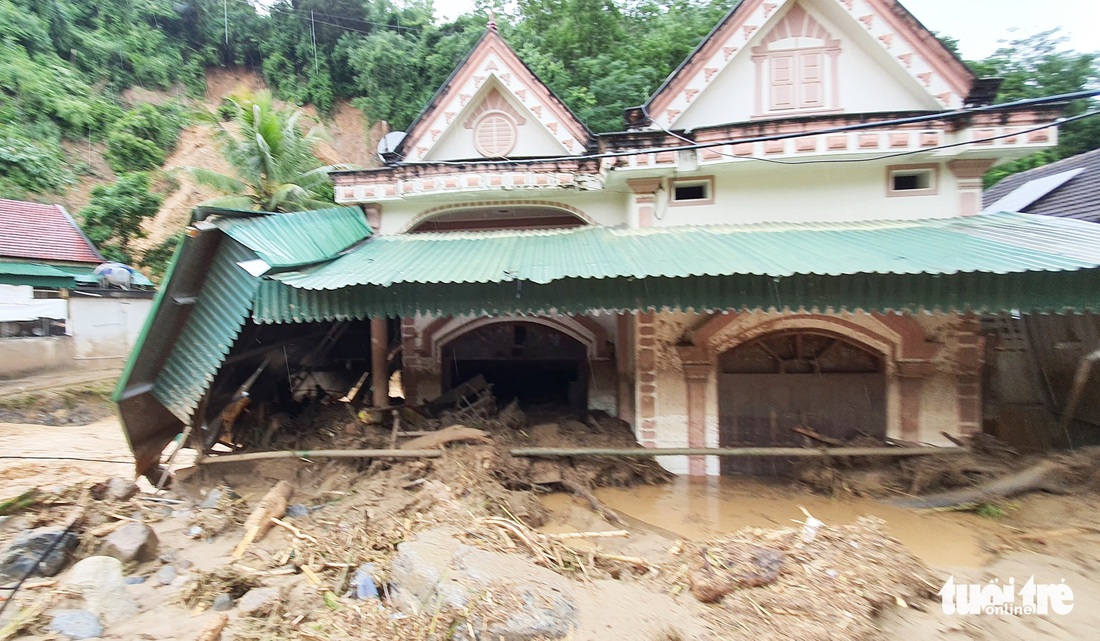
931, 366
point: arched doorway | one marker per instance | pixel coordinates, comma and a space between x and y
789, 379
499, 217
531, 362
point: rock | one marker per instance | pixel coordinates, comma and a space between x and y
76, 624
363, 582
25, 550
223, 602
134, 580
297, 511
435, 569
131, 542
99, 580
165, 575
211, 500
119, 489
258, 601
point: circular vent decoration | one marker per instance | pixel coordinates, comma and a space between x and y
495, 134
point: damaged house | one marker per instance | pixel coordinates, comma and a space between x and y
786, 235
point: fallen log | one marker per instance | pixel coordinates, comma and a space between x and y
213, 630
271, 506
577, 487
438, 439
1042, 476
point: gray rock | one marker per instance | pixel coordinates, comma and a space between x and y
119, 489
297, 511
134, 580
99, 580
26, 549
211, 500
222, 603
436, 569
165, 575
131, 542
76, 624
258, 601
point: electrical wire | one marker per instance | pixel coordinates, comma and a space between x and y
941, 115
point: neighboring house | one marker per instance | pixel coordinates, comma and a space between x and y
53, 315
1069, 188
1035, 357
785, 235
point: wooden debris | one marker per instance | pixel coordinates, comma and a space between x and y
446, 435
813, 434
213, 630
272, 506
293, 530
1043, 476
563, 536
574, 485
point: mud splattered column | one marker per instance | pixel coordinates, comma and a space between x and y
624, 364
911, 377
647, 380
698, 364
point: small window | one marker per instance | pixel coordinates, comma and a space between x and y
693, 192
913, 180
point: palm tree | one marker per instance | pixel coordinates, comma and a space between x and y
275, 166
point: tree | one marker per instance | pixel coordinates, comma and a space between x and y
113, 217
275, 165
1039, 66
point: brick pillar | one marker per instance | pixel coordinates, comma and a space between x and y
968, 363
698, 366
646, 367
968, 174
644, 205
409, 352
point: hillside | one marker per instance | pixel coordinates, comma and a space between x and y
109, 97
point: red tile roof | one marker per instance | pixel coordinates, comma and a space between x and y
43, 232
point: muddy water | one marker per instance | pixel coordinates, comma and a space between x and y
705, 508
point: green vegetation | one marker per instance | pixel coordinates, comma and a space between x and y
275, 163
113, 218
65, 65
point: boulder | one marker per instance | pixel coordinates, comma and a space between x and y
258, 601
27, 548
223, 602
435, 569
75, 624
131, 542
119, 489
98, 579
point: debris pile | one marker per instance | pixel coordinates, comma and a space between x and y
807, 584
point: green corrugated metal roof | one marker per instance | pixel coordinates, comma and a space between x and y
298, 238
34, 274
210, 331
991, 243
1036, 291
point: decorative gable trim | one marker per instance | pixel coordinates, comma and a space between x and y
891, 26
491, 57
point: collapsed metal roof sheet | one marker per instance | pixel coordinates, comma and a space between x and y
993, 243
301, 238
220, 310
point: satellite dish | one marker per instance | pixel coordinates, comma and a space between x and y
388, 145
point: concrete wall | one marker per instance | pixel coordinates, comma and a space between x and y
102, 331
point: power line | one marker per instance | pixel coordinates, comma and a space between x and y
966, 111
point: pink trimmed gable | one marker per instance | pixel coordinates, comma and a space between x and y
42, 232
492, 57
915, 49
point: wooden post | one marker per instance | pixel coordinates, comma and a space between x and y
379, 367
